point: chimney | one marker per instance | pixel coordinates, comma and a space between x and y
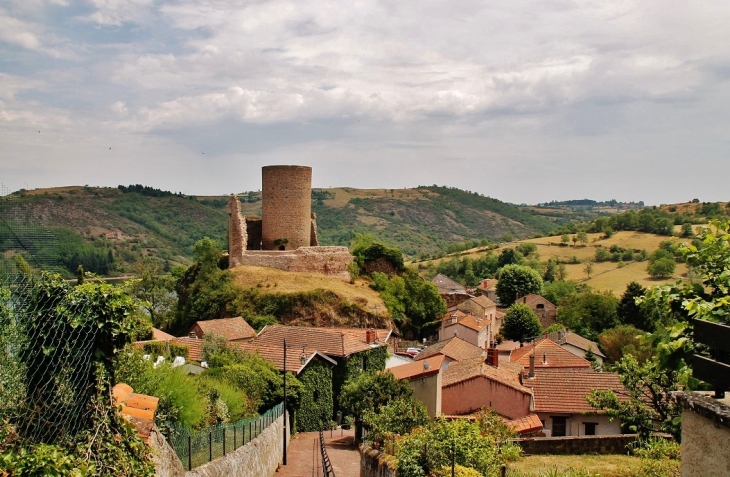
531, 374
544, 358
370, 336
493, 357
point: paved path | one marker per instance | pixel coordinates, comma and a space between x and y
304, 459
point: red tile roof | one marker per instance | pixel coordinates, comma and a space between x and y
525, 425
548, 354
488, 284
460, 315
339, 342
483, 301
576, 340
195, 347
454, 348
229, 328
533, 299
159, 335
460, 371
564, 390
294, 355
417, 369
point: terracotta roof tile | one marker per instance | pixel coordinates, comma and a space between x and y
525, 425
338, 342
483, 301
139, 409
461, 371
229, 328
564, 390
460, 315
453, 348
195, 347
576, 340
488, 284
417, 368
548, 354
532, 299
159, 335
275, 355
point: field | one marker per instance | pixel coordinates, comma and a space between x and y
605, 275
603, 465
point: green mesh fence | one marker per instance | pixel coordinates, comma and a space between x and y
46, 349
195, 448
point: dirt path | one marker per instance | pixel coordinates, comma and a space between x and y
304, 460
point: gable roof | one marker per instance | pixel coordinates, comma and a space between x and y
229, 328
451, 314
453, 348
563, 337
159, 335
470, 321
447, 285
564, 390
294, 355
460, 371
418, 369
533, 299
525, 425
488, 284
195, 347
548, 354
483, 301
339, 342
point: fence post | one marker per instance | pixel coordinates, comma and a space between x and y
224, 441
210, 446
234, 436
249, 430
504, 470
190, 453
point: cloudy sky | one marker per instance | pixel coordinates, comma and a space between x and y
525, 101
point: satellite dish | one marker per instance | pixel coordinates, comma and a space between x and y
426, 366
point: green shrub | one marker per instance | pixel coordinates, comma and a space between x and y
163, 348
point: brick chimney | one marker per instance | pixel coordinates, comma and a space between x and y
370, 336
493, 357
531, 373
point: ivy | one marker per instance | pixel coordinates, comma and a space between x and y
316, 404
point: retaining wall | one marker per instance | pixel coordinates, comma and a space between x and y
615, 444
330, 261
373, 463
258, 458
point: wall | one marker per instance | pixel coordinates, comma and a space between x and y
330, 261
260, 457
705, 435
615, 444
286, 206
574, 425
373, 463
428, 391
474, 394
465, 333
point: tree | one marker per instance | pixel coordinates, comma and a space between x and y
520, 323
624, 340
555, 291
632, 313
550, 271
509, 256
564, 239
156, 291
516, 281
589, 313
582, 237
588, 268
687, 230
661, 268
399, 417
369, 392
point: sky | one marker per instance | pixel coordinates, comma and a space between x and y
526, 101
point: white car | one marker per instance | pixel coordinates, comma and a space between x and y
413, 351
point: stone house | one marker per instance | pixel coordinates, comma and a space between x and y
488, 288
546, 312
484, 309
452, 292
453, 349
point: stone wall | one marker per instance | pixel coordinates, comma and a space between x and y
576, 445
167, 463
373, 463
237, 235
330, 261
260, 457
286, 206
705, 435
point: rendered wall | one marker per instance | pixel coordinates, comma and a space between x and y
286, 206
705, 435
474, 394
575, 424
258, 458
428, 391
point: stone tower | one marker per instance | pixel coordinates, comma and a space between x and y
286, 207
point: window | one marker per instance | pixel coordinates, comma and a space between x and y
590, 428
558, 426
540, 306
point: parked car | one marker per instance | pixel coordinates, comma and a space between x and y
413, 351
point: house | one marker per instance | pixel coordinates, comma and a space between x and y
576, 344
546, 312
452, 292
545, 353
159, 335
472, 384
484, 309
454, 349
397, 360
425, 379
559, 400
465, 326
232, 329
488, 288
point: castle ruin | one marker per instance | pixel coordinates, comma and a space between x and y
285, 236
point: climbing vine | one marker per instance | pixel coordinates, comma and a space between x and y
315, 407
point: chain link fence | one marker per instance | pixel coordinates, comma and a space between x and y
195, 448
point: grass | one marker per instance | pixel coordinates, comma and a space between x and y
603, 465
279, 281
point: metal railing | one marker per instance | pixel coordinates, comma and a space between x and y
195, 448
327, 470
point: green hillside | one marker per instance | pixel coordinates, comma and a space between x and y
108, 229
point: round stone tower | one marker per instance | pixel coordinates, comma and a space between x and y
286, 207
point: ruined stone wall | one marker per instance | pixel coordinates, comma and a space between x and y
330, 261
253, 229
374, 463
286, 206
237, 234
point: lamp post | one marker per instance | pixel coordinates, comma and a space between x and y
284, 459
